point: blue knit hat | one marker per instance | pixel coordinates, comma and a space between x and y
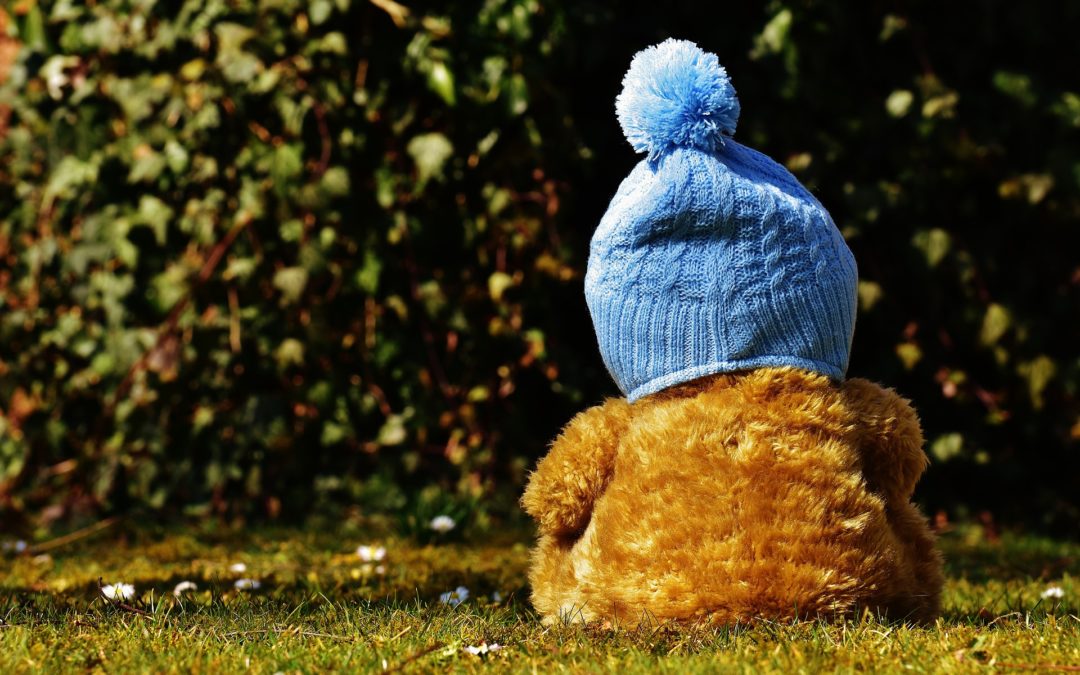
711, 257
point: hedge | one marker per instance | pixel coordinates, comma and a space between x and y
271, 258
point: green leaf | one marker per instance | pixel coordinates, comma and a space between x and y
1016, 86
193, 70
103, 364
287, 165
333, 43
156, 215
429, 152
367, 277
68, 177
498, 282
170, 286
942, 105
386, 184
138, 96
934, 244
336, 181
1068, 108
236, 64
774, 36
292, 230
176, 156
232, 36
441, 81
147, 166
239, 268
392, 432
105, 33
947, 446
33, 33
1030, 186
241, 67
289, 353
431, 295
899, 102
909, 354
333, 433
1038, 372
518, 94
291, 281
319, 11
267, 80
870, 292
996, 321
203, 417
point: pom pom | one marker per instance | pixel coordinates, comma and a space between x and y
676, 95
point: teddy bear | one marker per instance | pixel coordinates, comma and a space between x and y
742, 477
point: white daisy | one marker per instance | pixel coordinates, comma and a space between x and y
118, 591
371, 553
238, 567
484, 648
455, 597
1053, 593
17, 546
247, 584
184, 587
442, 524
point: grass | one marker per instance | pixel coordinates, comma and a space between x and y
320, 608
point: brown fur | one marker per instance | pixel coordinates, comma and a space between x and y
768, 494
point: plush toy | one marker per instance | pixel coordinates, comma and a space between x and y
742, 477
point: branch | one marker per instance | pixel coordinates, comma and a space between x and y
177, 310
73, 536
398, 13
324, 137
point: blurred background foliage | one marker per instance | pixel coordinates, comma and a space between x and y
274, 258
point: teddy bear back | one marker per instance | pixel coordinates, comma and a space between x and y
746, 496
711, 257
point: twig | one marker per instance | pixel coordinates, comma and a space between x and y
418, 655
426, 332
289, 631
128, 608
1004, 617
73, 536
234, 321
1039, 666
324, 137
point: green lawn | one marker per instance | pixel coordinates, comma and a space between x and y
319, 607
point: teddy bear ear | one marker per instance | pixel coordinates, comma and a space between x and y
574, 473
889, 437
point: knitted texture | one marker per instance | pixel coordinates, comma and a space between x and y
711, 257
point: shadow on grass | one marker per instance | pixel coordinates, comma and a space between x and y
993, 583
971, 556
427, 578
